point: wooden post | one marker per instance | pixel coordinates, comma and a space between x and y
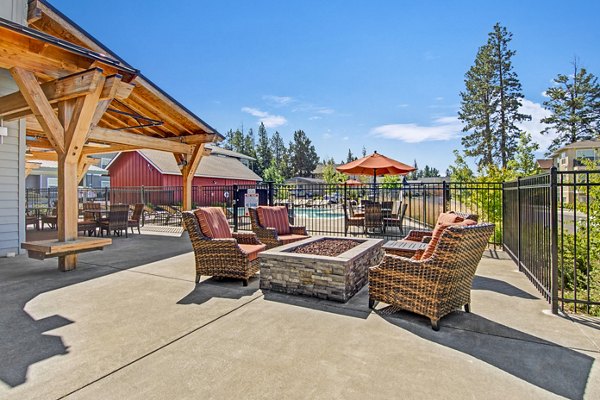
187, 174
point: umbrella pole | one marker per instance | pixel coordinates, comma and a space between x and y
374, 184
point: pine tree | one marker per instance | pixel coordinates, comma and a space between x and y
264, 154
304, 158
350, 157
227, 143
236, 141
477, 107
278, 148
575, 106
490, 105
364, 151
414, 175
509, 95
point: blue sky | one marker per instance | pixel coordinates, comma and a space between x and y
383, 74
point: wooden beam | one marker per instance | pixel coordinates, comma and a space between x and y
81, 120
90, 150
103, 135
15, 105
84, 165
35, 97
198, 138
34, 13
44, 155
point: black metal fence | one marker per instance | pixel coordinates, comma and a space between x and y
552, 231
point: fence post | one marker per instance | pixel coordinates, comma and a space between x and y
270, 193
106, 198
444, 199
235, 208
142, 195
554, 239
346, 204
519, 222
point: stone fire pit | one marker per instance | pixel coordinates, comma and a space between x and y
333, 278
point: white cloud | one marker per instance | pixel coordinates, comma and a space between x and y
443, 128
314, 118
535, 126
270, 121
403, 105
346, 138
323, 110
279, 100
327, 135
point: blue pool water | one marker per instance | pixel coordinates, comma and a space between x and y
302, 212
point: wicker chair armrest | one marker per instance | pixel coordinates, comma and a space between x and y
245, 237
416, 235
267, 232
298, 230
426, 239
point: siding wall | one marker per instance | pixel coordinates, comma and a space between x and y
12, 155
12, 179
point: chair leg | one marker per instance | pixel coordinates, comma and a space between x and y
434, 324
467, 308
139, 232
371, 303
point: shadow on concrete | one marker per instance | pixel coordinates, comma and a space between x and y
544, 364
224, 288
22, 279
583, 319
356, 307
498, 286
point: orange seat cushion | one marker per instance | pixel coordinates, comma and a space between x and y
274, 217
292, 238
252, 250
213, 222
437, 234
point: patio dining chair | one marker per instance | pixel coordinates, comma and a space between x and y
396, 221
373, 217
116, 221
350, 219
440, 282
271, 225
218, 251
136, 217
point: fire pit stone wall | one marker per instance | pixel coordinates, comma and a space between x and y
333, 278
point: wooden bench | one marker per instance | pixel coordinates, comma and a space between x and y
43, 249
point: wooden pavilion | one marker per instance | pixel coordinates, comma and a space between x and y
79, 99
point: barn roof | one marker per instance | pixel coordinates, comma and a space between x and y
211, 166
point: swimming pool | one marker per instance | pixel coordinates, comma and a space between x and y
306, 212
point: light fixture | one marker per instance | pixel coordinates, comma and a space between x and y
182, 163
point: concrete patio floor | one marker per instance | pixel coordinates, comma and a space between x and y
130, 323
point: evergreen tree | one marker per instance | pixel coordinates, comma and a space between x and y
478, 104
523, 162
509, 95
278, 148
575, 106
264, 153
414, 175
429, 172
364, 152
303, 155
227, 143
350, 156
490, 104
236, 141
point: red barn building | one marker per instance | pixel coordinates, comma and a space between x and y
157, 168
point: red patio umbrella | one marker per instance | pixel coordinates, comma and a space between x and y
353, 182
376, 164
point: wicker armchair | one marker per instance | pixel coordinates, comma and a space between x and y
416, 235
234, 257
438, 285
270, 237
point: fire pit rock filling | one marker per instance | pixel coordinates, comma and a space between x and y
323, 267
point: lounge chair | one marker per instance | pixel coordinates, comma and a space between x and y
271, 225
218, 251
437, 284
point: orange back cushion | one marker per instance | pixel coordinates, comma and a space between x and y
437, 234
274, 217
213, 222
